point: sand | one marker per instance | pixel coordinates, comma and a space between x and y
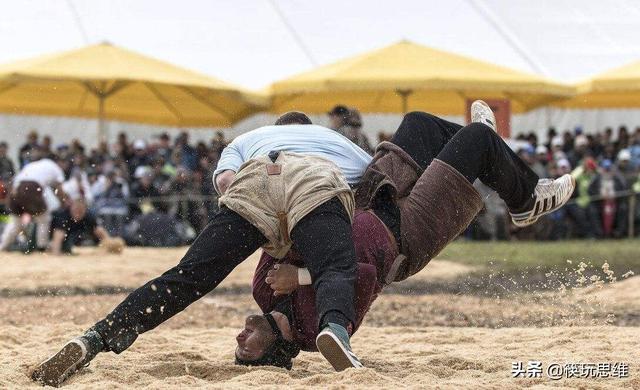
408, 340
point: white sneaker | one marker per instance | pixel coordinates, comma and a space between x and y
550, 196
482, 113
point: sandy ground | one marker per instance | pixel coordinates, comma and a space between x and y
420, 341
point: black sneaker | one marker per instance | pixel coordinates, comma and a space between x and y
73, 356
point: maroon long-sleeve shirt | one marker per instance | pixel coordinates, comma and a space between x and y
375, 252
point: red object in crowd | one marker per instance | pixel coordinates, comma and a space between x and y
608, 216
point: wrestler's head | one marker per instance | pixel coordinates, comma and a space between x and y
293, 118
266, 340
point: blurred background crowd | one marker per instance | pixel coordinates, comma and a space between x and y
159, 192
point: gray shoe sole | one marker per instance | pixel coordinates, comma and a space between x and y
335, 353
59, 367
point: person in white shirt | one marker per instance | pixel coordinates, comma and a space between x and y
36, 191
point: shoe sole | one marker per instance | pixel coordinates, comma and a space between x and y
61, 365
562, 203
335, 353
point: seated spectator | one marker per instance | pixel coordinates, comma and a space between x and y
70, 226
139, 157
141, 190
111, 194
158, 229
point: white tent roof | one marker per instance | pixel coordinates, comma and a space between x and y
255, 42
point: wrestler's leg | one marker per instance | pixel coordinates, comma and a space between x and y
324, 240
224, 243
422, 136
477, 152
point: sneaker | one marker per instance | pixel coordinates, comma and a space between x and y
73, 356
550, 195
482, 113
333, 344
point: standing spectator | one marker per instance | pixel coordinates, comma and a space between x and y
353, 131
6, 165
338, 117
189, 156
625, 168
218, 144
25, 153
164, 148
608, 214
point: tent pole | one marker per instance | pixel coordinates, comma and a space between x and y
101, 130
404, 94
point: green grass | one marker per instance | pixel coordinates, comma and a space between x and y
622, 255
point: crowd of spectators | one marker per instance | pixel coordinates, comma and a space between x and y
137, 189
122, 182
606, 166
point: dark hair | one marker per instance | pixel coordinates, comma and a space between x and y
293, 117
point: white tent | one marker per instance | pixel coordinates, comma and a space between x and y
255, 42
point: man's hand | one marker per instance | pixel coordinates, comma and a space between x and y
283, 279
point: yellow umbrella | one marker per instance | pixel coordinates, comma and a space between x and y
107, 82
406, 76
616, 88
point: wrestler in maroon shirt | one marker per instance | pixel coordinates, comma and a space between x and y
293, 309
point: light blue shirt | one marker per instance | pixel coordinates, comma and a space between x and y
311, 140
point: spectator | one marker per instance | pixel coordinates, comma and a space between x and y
338, 117
143, 192
188, 155
353, 131
111, 193
6, 165
608, 214
625, 168
72, 225
164, 148
139, 157
25, 153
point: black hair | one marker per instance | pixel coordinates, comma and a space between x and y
279, 354
293, 117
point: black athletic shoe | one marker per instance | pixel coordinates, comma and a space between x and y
74, 355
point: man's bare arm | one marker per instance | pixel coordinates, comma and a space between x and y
224, 180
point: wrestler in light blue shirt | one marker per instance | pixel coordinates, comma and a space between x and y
312, 140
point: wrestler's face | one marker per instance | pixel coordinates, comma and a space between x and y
255, 338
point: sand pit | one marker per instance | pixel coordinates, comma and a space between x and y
432, 357
413, 339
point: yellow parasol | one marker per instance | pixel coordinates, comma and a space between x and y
407, 76
107, 82
616, 88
